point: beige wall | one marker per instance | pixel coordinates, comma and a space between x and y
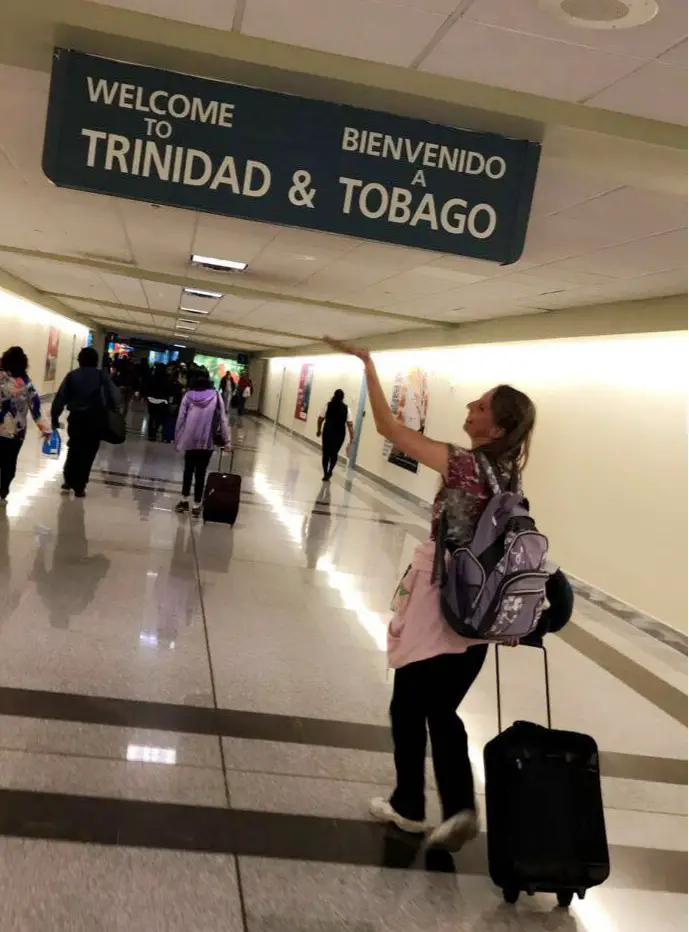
25, 324
608, 474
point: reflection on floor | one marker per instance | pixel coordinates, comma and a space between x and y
192, 718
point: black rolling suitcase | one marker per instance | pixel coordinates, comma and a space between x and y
221, 495
544, 809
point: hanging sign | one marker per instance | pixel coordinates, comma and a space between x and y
168, 138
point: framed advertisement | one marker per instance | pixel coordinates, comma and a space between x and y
51, 355
301, 409
409, 405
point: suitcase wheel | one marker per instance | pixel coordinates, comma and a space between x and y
564, 898
510, 895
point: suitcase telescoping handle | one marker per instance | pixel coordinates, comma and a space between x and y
220, 453
547, 685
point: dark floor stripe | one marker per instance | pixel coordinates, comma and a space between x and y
668, 698
96, 820
288, 729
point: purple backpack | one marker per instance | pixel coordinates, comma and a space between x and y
494, 588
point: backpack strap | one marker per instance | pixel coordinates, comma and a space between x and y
487, 470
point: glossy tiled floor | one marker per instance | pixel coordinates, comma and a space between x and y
192, 718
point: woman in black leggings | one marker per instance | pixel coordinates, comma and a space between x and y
336, 418
434, 667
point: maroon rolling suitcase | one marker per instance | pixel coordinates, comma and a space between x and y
221, 495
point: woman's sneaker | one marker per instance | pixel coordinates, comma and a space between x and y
182, 507
454, 833
196, 511
382, 811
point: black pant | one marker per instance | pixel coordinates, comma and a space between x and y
332, 444
84, 432
427, 694
195, 469
126, 392
157, 415
9, 453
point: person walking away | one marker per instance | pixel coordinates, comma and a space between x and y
124, 378
176, 392
245, 390
18, 399
226, 386
158, 400
141, 377
333, 422
434, 666
86, 392
201, 422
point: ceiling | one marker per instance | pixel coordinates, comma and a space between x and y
598, 232
508, 43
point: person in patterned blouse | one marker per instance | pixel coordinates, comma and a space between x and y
434, 666
18, 399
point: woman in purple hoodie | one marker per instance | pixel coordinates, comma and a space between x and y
200, 423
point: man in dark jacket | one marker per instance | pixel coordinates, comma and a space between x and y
86, 392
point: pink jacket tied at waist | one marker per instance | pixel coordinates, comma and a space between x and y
418, 629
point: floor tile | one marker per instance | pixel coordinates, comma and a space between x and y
284, 896
131, 779
65, 887
44, 736
334, 799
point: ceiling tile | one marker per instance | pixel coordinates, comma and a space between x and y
217, 14
653, 254
656, 91
374, 31
162, 297
527, 63
125, 290
646, 41
630, 213
677, 55
558, 187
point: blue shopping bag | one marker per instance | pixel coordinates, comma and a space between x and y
52, 444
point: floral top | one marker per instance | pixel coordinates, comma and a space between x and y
18, 399
464, 496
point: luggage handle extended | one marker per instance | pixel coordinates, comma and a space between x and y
220, 453
541, 647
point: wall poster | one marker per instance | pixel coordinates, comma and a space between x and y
410, 406
301, 410
51, 354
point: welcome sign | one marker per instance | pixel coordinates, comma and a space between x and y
168, 138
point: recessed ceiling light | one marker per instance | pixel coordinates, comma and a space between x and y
221, 265
193, 310
186, 326
184, 320
198, 293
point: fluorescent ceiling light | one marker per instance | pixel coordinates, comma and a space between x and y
180, 345
193, 310
183, 320
198, 293
184, 327
221, 264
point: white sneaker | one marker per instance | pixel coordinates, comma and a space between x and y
454, 833
382, 811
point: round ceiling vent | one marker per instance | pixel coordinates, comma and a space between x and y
602, 14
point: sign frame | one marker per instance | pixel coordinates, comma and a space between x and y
294, 161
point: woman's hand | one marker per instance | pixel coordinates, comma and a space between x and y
341, 347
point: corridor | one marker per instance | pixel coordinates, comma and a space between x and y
192, 719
